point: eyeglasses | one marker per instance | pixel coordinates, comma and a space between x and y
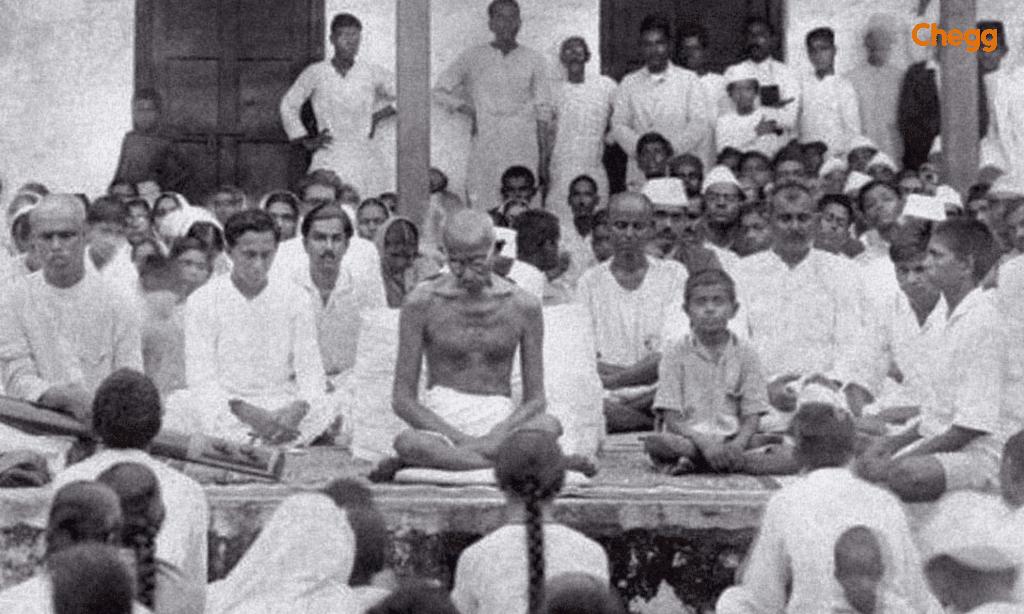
475, 263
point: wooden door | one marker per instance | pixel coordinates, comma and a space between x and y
222, 67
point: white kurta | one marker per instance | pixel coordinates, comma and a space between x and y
829, 113
345, 106
804, 320
182, 540
774, 72
491, 575
262, 350
791, 566
740, 132
299, 564
361, 262
338, 321
671, 103
878, 92
968, 393
510, 94
1009, 297
582, 112
51, 336
629, 325
1003, 145
35, 596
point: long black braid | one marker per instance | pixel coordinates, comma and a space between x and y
139, 490
530, 467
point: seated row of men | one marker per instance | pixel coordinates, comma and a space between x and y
802, 311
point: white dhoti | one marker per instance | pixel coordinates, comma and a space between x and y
473, 414
207, 412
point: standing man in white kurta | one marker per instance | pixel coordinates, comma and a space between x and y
830, 113
505, 90
349, 98
660, 97
252, 361
583, 106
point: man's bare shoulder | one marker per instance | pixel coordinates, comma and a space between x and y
525, 302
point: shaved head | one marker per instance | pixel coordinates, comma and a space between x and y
469, 244
58, 237
468, 229
629, 202
65, 207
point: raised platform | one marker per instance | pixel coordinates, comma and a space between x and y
690, 531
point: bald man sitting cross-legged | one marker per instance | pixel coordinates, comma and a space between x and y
468, 323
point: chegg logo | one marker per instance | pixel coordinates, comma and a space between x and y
973, 38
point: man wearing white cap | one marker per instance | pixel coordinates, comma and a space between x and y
779, 84
748, 127
678, 228
805, 307
723, 196
882, 168
660, 97
833, 175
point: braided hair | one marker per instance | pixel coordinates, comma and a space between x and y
139, 491
82, 512
530, 467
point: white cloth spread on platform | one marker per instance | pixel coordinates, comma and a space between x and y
582, 112
509, 94
628, 324
791, 566
344, 105
182, 540
473, 414
491, 578
51, 336
671, 103
225, 360
299, 564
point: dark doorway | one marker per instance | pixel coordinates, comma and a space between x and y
222, 67
722, 19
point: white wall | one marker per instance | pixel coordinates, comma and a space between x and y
66, 77
456, 25
65, 90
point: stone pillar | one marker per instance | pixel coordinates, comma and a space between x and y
959, 98
413, 72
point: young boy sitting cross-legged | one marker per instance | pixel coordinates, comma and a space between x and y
711, 387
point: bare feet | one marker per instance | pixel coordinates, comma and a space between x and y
682, 466
581, 464
386, 469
